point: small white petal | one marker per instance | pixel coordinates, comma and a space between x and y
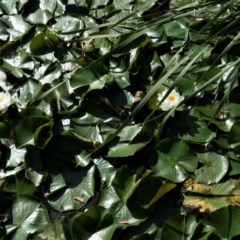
3, 76
3, 82
5, 101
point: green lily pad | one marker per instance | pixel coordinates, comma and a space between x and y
151, 189
26, 129
95, 223
174, 160
228, 228
122, 203
209, 198
68, 24
29, 217
214, 168
125, 149
45, 42
71, 189
179, 226
234, 139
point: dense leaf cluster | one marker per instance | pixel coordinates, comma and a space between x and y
84, 152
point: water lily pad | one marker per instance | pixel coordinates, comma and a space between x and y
45, 42
72, 189
68, 24
214, 168
225, 229
95, 223
179, 226
174, 160
209, 198
125, 149
26, 128
29, 217
234, 138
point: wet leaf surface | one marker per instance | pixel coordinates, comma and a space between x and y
87, 151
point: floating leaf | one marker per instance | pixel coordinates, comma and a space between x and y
17, 157
151, 190
228, 228
174, 160
9, 6
129, 133
121, 191
70, 184
95, 223
28, 92
203, 136
44, 13
10, 172
234, 139
45, 42
123, 179
214, 168
8, 68
26, 128
4, 130
177, 29
209, 198
43, 134
125, 149
29, 217
23, 187
94, 77
67, 24
178, 227
80, 143
40, 17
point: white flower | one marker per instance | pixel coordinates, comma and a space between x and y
173, 99
5, 101
3, 81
